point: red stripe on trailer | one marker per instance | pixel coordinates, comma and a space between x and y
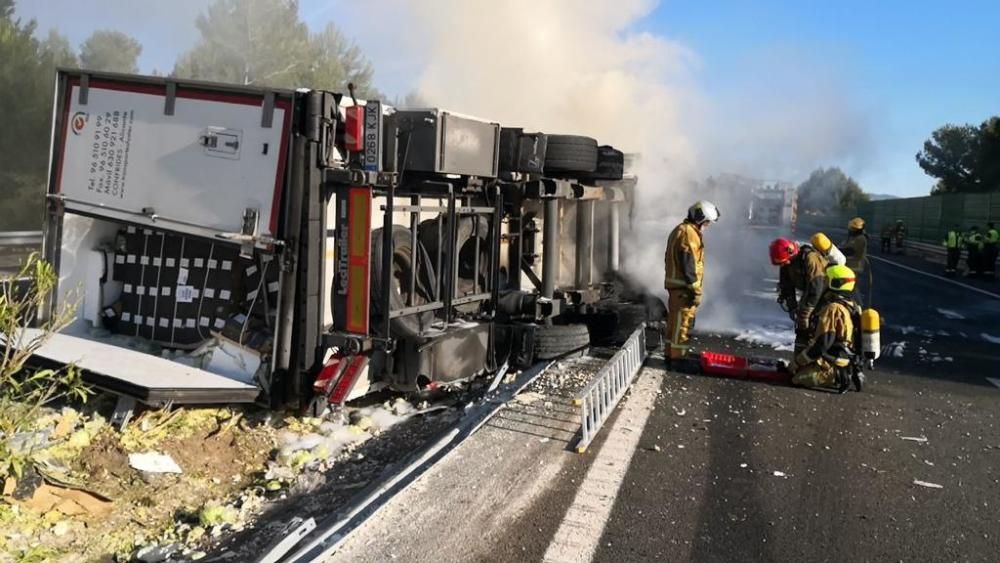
279, 182
358, 298
62, 138
348, 379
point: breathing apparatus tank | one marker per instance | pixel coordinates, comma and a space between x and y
871, 342
826, 247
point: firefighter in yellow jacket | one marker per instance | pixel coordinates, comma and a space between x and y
833, 341
685, 269
801, 269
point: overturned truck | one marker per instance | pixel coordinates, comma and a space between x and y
238, 244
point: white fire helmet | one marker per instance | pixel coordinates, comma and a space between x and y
703, 212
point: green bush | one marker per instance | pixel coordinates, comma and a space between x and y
24, 392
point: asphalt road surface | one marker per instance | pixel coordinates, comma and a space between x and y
695, 468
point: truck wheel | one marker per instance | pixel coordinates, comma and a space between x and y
428, 234
610, 164
558, 340
399, 275
570, 153
628, 317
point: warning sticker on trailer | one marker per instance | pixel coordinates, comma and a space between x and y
110, 135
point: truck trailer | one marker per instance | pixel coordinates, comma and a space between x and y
228, 243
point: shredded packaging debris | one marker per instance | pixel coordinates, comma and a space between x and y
153, 462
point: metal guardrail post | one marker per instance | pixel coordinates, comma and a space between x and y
20, 238
600, 397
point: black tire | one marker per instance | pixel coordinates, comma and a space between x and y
628, 317
558, 340
610, 164
428, 234
570, 154
412, 325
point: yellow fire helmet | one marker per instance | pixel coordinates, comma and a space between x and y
840, 278
856, 224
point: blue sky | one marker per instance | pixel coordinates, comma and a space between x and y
905, 66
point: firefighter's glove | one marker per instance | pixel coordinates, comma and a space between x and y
793, 366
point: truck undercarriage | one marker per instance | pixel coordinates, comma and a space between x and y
306, 245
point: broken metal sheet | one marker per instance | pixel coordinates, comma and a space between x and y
148, 378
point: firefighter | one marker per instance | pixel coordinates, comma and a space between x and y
684, 262
974, 252
953, 242
900, 234
990, 250
801, 268
887, 232
855, 248
831, 349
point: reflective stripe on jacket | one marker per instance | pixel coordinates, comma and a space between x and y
954, 239
684, 259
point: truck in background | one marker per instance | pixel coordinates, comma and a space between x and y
773, 204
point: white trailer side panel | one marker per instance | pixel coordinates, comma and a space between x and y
123, 157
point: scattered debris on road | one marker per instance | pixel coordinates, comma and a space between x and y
927, 484
152, 462
920, 439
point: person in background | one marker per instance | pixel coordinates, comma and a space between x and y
990, 251
887, 232
953, 242
974, 250
900, 235
855, 248
684, 262
800, 269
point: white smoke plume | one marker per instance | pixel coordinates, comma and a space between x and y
579, 67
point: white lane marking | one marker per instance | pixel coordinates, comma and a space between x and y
937, 277
994, 381
581, 529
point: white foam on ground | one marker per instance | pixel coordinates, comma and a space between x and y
990, 339
896, 349
778, 338
949, 314
765, 295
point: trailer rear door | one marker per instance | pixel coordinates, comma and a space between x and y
190, 158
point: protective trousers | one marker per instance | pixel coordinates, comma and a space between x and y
954, 254
817, 374
990, 258
680, 320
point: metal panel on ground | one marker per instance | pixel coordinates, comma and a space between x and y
148, 378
